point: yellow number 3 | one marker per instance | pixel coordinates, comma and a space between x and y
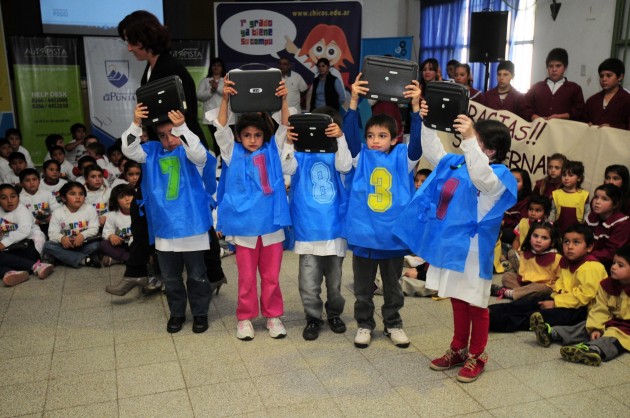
381, 199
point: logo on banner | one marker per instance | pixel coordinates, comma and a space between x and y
117, 72
47, 51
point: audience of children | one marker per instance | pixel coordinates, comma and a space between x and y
117, 229
553, 180
569, 203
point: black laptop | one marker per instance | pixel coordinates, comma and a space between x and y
311, 128
256, 90
387, 77
161, 96
446, 101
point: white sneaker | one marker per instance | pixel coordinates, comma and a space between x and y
398, 337
245, 330
413, 261
276, 329
363, 338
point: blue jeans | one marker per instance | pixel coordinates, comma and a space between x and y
313, 269
70, 257
197, 289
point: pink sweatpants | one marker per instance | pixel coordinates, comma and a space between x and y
265, 260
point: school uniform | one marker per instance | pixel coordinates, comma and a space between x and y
118, 224
16, 226
536, 275
610, 235
568, 208
99, 199
511, 101
615, 113
547, 98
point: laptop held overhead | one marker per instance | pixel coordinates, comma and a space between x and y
160, 97
256, 90
446, 100
387, 77
311, 131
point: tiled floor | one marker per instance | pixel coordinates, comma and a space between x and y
69, 349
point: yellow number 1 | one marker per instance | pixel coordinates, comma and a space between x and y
381, 199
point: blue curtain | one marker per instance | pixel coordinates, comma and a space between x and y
478, 68
439, 34
442, 38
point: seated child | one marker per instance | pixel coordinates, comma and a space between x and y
569, 204
553, 180
14, 136
131, 174
253, 210
513, 215
381, 188
538, 209
96, 150
71, 226
5, 151
618, 175
610, 226
420, 177
17, 227
79, 170
76, 148
115, 170
573, 291
538, 267
117, 230
17, 162
53, 140
606, 332
58, 154
97, 191
611, 106
316, 215
40, 202
555, 97
51, 180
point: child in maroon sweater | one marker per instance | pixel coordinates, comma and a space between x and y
555, 97
611, 106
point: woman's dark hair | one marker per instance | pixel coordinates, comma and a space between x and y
526, 191
117, 192
69, 186
385, 121
143, 28
553, 234
613, 192
468, 71
51, 140
495, 136
216, 60
255, 120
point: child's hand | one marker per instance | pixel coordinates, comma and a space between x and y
358, 88
2, 247
595, 335
115, 240
139, 113
79, 240
228, 88
333, 131
424, 109
177, 118
66, 242
101, 220
464, 125
413, 92
291, 136
281, 90
547, 304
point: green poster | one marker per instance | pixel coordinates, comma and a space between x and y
47, 90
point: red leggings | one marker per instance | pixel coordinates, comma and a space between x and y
470, 322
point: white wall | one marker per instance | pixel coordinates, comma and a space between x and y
584, 29
386, 18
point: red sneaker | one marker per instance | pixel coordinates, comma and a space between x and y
472, 368
450, 359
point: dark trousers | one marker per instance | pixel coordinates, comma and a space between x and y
212, 258
364, 270
510, 317
197, 289
20, 260
139, 250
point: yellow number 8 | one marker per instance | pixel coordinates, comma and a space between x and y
381, 199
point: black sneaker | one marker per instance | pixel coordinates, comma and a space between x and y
175, 324
337, 325
311, 331
92, 261
495, 289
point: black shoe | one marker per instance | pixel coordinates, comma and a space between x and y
92, 261
175, 324
311, 331
200, 324
337, 325
494, 289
